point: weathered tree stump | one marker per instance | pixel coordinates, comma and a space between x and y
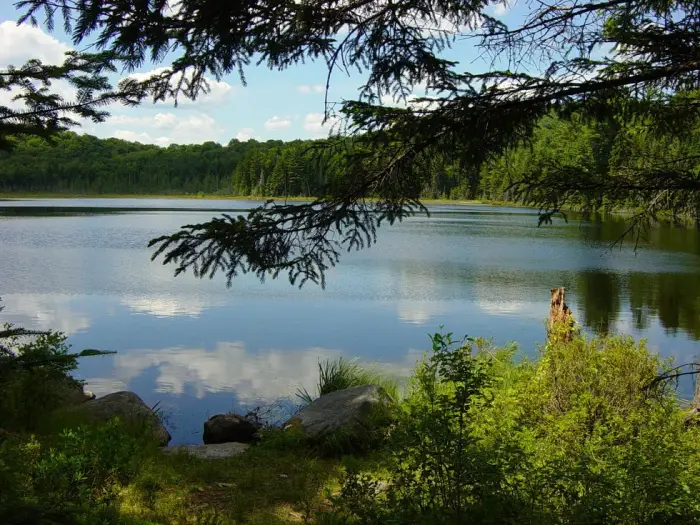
691, 418
561, 320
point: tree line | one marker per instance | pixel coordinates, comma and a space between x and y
581, 148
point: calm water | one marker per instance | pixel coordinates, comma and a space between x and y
82, 267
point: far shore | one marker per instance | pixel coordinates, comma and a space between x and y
11, 196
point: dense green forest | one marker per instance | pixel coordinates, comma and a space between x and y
85, 164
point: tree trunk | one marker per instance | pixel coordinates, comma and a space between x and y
691, 418
561, 322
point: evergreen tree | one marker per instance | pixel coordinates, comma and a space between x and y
648, 77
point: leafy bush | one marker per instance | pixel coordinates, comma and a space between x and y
583, 435
72, 477
34, 378
342, 374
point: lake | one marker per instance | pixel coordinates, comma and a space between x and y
82, 266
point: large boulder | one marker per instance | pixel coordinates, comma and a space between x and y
215, 451
348, 411
228, 428
128, 407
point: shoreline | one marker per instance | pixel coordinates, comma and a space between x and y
214, 197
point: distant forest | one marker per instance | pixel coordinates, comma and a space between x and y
87, 165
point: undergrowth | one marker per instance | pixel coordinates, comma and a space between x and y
582, 435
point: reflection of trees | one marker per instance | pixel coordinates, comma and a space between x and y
609, 229
598, 295
672, 297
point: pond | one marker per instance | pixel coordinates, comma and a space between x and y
82, 266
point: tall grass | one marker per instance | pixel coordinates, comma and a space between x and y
342, 374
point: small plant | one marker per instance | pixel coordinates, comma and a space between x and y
342, 374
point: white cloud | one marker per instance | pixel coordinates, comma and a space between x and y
429, 26
316, 88
165, 120
245, 134
501, 9
143, 137
388, 100
126, 120
21, 43
444, 25
218, 91
167, 128
314, 122
277, 123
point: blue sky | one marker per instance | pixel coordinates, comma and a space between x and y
274, 105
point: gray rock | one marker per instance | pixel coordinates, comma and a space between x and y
213, 451
129, 408
347, 410
228, 428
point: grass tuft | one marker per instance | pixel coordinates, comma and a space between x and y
342, 374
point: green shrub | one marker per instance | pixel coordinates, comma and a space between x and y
75, 475
34, 379
583, 435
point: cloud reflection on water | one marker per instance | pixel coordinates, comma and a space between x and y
45, 312
169, 306
264, 376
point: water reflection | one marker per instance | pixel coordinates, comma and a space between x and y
263, 376
46, 312
598, 302
169, 306
193, 383
672, 298
199, 348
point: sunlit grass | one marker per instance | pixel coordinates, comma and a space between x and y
274, 483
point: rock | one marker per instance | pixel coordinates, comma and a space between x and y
228, 428
213, 451
129, 408
347, 410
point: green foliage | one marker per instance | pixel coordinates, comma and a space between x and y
584, 435
74, 477
44, 112
35, 377
35, 380
342, 374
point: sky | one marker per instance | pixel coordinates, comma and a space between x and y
276, 105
